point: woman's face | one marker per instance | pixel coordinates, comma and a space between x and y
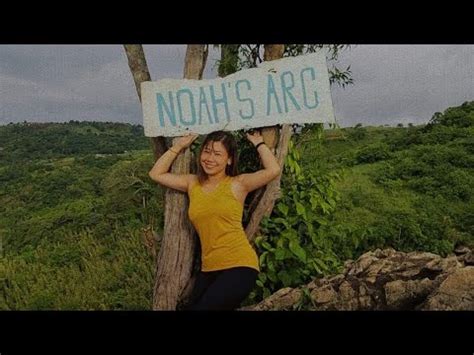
214, 158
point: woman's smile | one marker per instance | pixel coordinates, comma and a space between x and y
209, 166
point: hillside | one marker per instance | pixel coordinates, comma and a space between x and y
73, 200
410, 188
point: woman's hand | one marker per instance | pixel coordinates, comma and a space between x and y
254, 137
185, 141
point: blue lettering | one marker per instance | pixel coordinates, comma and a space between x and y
169, 109
191, 105
237, 90
203, 101
286, 90
222, 100
271, 91
313, 77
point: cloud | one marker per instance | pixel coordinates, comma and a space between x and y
404, 83
60, 83
167, 62
90, 90
393, 83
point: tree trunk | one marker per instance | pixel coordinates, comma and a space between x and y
139, 69
270, 134
175, 259
263, 202
273, 51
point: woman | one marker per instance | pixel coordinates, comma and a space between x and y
229, 264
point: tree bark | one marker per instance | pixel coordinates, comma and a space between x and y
264, 201
175, 259
270, 134
139, 69
273, 51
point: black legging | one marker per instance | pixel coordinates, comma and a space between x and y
222, 289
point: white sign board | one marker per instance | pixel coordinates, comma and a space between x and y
288, 90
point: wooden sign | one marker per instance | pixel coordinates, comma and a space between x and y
288, 90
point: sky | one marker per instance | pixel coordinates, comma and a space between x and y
392, 83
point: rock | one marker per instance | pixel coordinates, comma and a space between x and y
401, 294
422, 255
388, 280
443, 265
378, 253
283, 299
362, 264
385, 253
381, 266
317, 283
456, 292
365, 300
461, 250
324, 294
347, 298
365, 303
336, 280
346, 292
469, 258
348, 265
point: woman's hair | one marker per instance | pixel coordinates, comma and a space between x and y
230, 145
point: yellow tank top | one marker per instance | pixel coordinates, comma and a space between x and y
217, 218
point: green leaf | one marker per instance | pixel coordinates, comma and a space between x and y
280, 243
271, 267
285, 278
316, 267
321, 264
272, 276
282, 221
300, 208
283, 209
326, 207
314, 201
296, 249
297, 170
266, 245
280, 254
289, 234
331, 201
320, 220
262, 277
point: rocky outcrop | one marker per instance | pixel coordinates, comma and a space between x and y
387, 280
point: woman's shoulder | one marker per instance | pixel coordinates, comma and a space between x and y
237, 180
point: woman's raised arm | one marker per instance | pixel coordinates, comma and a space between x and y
159, 172
271, 168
